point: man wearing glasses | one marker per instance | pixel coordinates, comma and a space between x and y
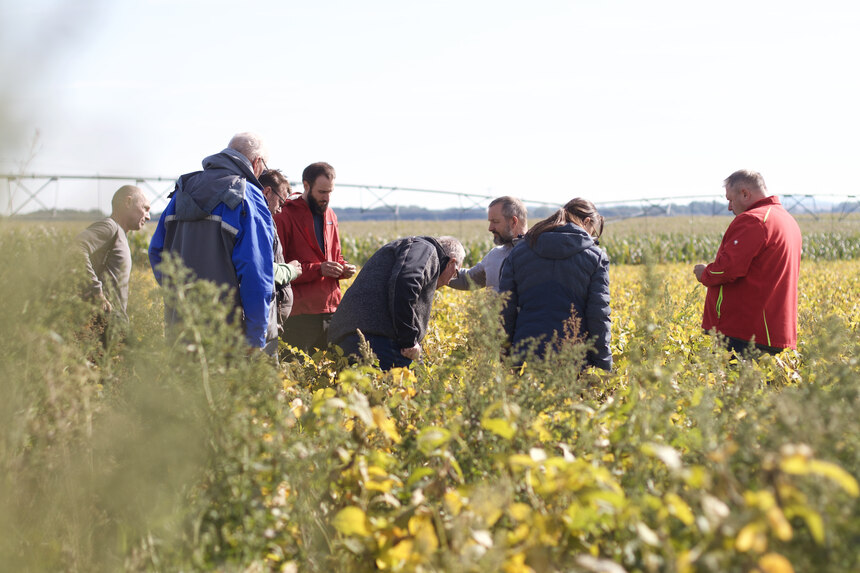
218, 223
276, 189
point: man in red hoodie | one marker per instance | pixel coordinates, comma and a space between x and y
752, 283
308, 231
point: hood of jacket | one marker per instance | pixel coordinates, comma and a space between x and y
563, 242
221, 181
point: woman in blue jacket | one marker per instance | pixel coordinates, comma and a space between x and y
556, 272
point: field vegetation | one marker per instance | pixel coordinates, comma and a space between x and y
143, 455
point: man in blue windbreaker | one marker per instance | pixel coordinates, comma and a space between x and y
218, 222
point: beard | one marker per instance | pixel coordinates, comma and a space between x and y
316, 208
500, 239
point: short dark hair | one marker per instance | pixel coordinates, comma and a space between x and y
314, 170
511, 207
275, 179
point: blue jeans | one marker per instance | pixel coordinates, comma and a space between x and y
386, 349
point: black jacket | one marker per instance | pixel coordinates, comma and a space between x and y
392, 296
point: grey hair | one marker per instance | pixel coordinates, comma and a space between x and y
453, 248
746, 177
511, 207
250, 145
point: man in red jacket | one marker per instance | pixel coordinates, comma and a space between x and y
308, 231
752, 284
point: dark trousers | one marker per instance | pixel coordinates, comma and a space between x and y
386, 349
307, 331
741, 347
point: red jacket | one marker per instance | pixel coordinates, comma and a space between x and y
752, 284
312, 292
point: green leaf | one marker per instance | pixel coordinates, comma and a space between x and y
432, 438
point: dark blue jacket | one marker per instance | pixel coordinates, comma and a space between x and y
218, 222
564, 269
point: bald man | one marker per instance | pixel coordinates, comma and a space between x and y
105, 248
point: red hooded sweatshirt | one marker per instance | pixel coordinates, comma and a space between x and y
752, 284
312, 292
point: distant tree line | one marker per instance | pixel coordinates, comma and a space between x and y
416, 213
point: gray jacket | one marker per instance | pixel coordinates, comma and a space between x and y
392, 296
487, 272
108, 261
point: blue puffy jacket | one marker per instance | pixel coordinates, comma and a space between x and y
218, 222
563, 269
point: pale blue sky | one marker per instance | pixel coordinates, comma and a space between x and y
544, 100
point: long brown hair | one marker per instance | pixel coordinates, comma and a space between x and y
575, 211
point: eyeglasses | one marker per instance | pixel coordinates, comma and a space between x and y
281, 200
265, 167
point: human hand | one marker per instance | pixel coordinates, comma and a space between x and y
296, 265
105, 303
699, 270
413, 353
348, 271
331, 269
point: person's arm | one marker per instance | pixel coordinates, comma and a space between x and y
285, 273
470, 278
156, 244
508, 286
410, 275
94, 238
597, 311
743, 241
253, 259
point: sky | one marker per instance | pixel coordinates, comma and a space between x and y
545, 100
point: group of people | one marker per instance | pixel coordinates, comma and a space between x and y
237, 223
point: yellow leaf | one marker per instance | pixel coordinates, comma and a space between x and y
683, 563
763, 500
796, 464
351, 521
679, 508
775, 563
385, 424
747, 538
520, 460
395, 557
837, 474
453, 501
516, 563
519, 534
499, 427
813, 521
424, 534
543, 434
519, 511
779, 523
